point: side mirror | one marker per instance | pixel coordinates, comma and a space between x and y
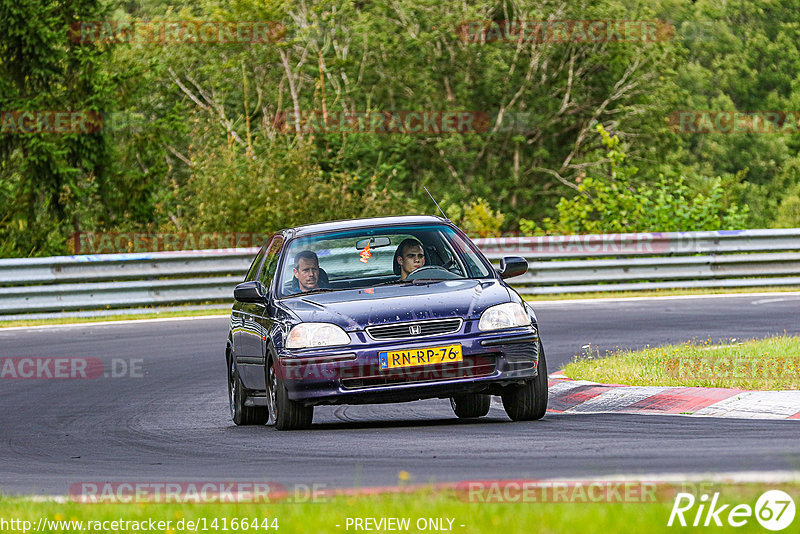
512, 266
252, 291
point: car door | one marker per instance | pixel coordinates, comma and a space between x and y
244, 326
258, 322
242, 310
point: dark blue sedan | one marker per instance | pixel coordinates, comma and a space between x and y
381, 310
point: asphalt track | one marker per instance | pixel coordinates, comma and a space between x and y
170, 422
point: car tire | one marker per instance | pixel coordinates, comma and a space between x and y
289, 414
471, 405
240, 414
528, 402
272, 387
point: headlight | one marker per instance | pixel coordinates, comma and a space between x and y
316, 335
508, 315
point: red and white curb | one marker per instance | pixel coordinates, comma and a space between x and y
733, 477
583, 397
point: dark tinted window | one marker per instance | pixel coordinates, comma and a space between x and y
271, 261
251, 273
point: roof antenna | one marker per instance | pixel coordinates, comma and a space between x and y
437, 204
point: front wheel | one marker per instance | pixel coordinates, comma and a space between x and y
528, 401
471, 405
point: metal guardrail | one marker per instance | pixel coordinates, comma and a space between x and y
120, 280
642, 244
557, 264
644, 261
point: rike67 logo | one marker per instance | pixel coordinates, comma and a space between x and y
774, 510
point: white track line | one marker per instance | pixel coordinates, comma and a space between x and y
531, 298
538, 304
107, 323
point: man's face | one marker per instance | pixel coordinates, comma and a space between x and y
412, 258
307, 274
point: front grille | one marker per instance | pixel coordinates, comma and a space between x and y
471, 367
415, 329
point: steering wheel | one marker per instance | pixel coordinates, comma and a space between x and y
432, 271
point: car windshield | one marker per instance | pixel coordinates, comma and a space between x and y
373, 256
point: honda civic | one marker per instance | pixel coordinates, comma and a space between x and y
381, 310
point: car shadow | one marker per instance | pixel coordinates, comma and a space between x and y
402, 423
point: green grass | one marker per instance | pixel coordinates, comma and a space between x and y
766, 364
660, 293
150, 315
477, 517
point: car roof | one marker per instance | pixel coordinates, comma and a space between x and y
348, 224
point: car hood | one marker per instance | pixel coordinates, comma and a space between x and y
358, 308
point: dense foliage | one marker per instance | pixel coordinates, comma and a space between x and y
571, 135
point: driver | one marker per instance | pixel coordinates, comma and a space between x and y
307, 274
409, 256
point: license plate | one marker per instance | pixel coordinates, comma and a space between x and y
424, 356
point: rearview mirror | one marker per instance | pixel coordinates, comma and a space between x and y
373, 242
512, 266
252, 291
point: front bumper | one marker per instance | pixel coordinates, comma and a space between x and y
352, 374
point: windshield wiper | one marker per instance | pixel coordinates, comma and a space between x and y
424, 281
315, 290
392, 282
416, 281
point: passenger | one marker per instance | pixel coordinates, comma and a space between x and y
408, 257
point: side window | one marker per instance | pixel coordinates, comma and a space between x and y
251, 273
271, 262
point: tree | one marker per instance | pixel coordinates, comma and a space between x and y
51, 181
612, 204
